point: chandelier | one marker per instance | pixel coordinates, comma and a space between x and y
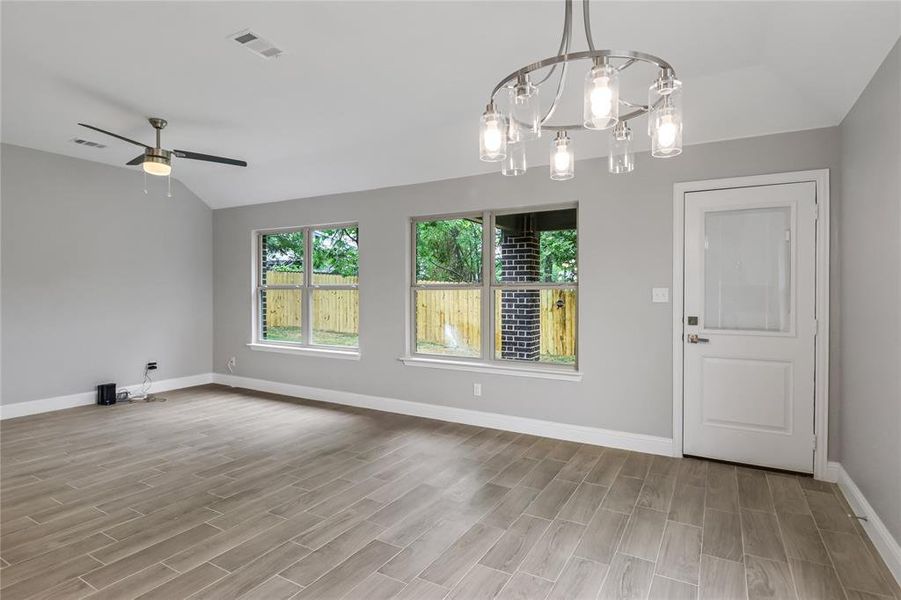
504, 133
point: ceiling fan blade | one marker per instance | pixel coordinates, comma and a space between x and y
209, 158
136, 160
115, 135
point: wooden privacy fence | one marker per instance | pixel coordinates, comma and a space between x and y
443, 317
558, 323
451, 318
333, 310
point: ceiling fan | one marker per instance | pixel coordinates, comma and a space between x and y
158, 161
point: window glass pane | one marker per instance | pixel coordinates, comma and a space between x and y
536, 325
282, 253
336, 318
747, 272
537, 246
280, 315
449, 251
449, 322
335, 256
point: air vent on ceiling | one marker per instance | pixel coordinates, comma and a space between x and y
256, 44
87, 143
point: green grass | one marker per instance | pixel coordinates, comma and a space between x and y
433, 348
284, 334
336, 338
320, 338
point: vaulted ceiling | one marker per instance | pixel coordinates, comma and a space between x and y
375, 94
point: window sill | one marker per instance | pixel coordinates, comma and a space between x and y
306, 351
480, 367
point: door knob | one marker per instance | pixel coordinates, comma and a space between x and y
694, 339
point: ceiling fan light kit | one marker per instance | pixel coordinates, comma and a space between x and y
157, 164
156, 160
503, 133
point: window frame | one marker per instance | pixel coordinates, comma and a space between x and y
307, 289
488, 286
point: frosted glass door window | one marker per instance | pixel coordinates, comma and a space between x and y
747, 274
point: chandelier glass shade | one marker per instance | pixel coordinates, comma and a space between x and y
621, 159
525, 111
504, 132
665, 119
492, 135
563, 160
600, 107
515, 162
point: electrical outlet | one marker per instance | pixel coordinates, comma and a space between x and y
660, 295
477, 389
151, 366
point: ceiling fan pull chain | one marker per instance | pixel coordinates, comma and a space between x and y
169, 183
145, 182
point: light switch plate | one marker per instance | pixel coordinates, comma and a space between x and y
660, 295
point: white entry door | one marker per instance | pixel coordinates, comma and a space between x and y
749, 325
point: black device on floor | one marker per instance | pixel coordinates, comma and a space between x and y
106, 394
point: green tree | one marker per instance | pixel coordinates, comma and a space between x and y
449, 250
284, 251
335, 251
558, 255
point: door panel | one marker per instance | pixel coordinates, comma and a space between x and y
750, 259
752, 395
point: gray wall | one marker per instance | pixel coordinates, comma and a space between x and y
625, 249
99, 278
870, 335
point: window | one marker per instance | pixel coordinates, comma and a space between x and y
307, 289
520, 307
448, 286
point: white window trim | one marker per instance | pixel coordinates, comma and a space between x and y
486, 363
322, 351
307, 347
518, 369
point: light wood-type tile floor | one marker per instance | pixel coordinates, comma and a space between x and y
221, 494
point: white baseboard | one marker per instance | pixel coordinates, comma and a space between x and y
33, 407
881, 537
832, 472
563, 431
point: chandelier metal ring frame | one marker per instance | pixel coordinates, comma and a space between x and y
502, 136
631, 57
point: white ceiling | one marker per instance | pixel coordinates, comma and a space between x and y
374, 94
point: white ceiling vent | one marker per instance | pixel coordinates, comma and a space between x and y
88, 143
256, 44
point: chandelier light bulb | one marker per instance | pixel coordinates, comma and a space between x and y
492, 135
493, 138
666, 132
601, 101
562, 158
665, 117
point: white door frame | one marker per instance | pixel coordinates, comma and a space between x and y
821, 390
